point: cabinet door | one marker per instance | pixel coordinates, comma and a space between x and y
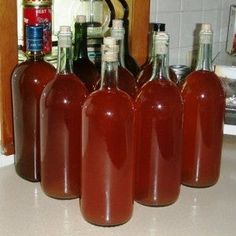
8, 59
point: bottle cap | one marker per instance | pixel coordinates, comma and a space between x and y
80, 19
158, 27
206, 27
37, 2
65, 37
34, 36
161, 40
117, 24
206, 34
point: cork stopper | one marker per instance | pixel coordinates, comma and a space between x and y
65, 36
206, 34
80, 19
161, 40
110, 50
117, 24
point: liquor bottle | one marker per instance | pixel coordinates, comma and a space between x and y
126, 80
204, 105
82, 66
107, 148
158, 127
130, 63
60, 108
146, 68
28, 81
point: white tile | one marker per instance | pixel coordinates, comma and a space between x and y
168, 5
188, 23
191, 5
172, 21
187, 56
211, 4
174, 56
224, 24
227, 3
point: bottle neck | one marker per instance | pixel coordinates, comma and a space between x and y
80, 48
160, 67
109, 74
64, 60
35, 56
204, 61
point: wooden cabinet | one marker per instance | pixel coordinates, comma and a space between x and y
139, 18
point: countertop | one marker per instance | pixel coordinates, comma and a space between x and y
26, 210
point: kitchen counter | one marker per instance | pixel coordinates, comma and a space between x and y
26, 210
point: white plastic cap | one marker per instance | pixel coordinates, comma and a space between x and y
109, 41
65, 37
64, 29
206, 27
80, 18
117, 24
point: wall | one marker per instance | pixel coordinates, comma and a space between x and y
181, 17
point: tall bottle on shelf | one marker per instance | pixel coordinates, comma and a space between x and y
126, 80
28, 81
158, 127
60, 108
82, 66
107, 148
204, 105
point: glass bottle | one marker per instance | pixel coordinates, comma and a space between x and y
82, 66
130, 62
146, 68
60, 108
107, 148
126, 80
28, 81
158, 127
204, 105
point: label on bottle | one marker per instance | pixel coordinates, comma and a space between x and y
35, 16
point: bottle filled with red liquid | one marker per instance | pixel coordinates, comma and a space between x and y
204, 105
28, 81
60, 108
107, 148
126, 80
82, 66
146, 69
158, 127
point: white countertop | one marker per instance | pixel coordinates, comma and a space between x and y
26, 211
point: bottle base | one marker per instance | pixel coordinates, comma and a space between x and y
197, 185
33, 180
155, 204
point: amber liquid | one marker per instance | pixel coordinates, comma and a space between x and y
146, 73
204, 105
61, 136
28, 81
107, 158
158, 126
87, 72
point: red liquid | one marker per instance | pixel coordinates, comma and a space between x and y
158, 126
28, 81
61, 136
204, 104
87, 72
107, 158
146, 74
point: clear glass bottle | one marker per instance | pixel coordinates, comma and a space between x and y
82, 66
158, 127
107, 148
28, 81
60, 108
126, 80
204, 106
146, 68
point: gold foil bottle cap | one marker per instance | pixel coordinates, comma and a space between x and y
37, 3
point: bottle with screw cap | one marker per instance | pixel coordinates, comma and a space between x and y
204, 105
82, 66
158, 127
28, 81
107, 147
60, 108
